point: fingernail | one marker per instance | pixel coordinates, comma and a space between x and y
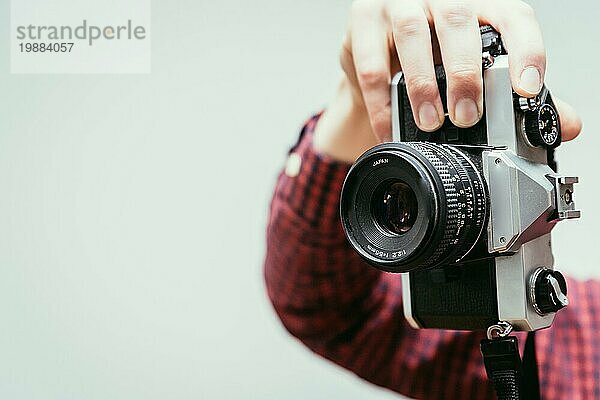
531, 81
429, 118
466, 113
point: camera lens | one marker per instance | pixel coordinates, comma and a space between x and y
395, 206
413, 205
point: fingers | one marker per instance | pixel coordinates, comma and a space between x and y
372, 63
570, 123
457, 31
412, 38
458, 34
521, 34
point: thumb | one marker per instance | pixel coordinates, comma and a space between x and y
570, 123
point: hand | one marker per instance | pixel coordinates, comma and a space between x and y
386, 36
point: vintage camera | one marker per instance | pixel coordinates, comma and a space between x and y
465, 214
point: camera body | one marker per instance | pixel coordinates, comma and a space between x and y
466, 214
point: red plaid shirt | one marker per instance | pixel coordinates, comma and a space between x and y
351, 313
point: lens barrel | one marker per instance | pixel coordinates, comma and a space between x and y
413, 205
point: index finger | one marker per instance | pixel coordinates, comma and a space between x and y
522, 37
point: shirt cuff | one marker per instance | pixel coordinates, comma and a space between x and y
311, 183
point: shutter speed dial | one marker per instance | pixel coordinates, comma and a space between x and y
540, 120
543, 127
548, 291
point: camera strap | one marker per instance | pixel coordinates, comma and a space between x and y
512, 378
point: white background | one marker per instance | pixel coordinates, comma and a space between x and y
133, 206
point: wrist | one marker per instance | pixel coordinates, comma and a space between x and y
344, 131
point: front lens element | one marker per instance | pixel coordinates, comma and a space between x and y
395, 206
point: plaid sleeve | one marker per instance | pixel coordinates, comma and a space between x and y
351, 313
568, 353
313, 278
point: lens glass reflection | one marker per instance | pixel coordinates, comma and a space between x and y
395, 207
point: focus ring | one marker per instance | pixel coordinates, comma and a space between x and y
465, 201
475, 199
440, 163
